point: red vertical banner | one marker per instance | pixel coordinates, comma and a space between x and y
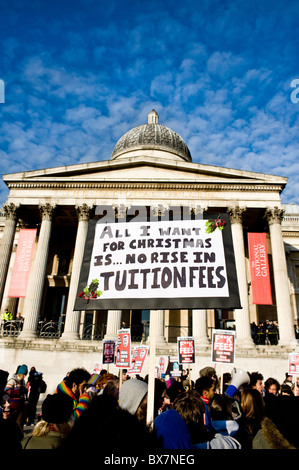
259, 269
22, 264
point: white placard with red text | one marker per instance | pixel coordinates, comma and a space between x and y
123, 349
293, 364
138, 359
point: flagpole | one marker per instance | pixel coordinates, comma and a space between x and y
152, 363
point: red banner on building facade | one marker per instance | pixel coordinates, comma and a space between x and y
22, 264
259, 269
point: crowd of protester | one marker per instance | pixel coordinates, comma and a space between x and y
88, 411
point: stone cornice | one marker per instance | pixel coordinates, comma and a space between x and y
289, 234
144, 185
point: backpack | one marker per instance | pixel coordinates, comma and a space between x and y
42, 387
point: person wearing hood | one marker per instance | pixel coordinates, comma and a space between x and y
133, 398
172, 431
192, 409
220, 408
17, 391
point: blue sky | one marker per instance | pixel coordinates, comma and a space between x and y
78, 74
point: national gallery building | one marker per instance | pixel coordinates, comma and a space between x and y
150, 166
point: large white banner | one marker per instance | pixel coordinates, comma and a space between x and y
166, 264
158, 260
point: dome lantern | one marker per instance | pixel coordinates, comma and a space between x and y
152, 117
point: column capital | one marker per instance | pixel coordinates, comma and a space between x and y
83, 212
121, 210
236, 214
47, 211
11, 211
158, 210
196, 209
274, 215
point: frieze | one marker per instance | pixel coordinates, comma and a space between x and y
152, 186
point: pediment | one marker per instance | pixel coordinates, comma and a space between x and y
144, 169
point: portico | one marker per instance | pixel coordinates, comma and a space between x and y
150, 167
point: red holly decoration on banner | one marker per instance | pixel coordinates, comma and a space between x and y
91, 292
212, 224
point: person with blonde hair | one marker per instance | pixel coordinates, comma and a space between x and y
56, 423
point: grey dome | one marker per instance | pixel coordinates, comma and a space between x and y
152, 136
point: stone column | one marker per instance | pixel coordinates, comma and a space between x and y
113, 323
242, 318
160, 337
281, 281
199, 327
37, 275
72, 318
10, 211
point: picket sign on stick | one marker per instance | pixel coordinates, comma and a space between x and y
221, 375
152, 363
120, 378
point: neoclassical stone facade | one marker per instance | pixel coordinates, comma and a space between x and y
150, 166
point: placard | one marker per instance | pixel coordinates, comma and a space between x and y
138, 359
123, 349
186, 350
223, 346
97, 367
163, 364
170, 264
174, 368
109, 346
293, 364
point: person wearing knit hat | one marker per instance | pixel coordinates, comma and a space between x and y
133, 397
57, 409
22, 370
55, 425
17, 391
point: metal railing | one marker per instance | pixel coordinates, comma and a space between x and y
11, 327
45, 329
50, 329
92, 332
